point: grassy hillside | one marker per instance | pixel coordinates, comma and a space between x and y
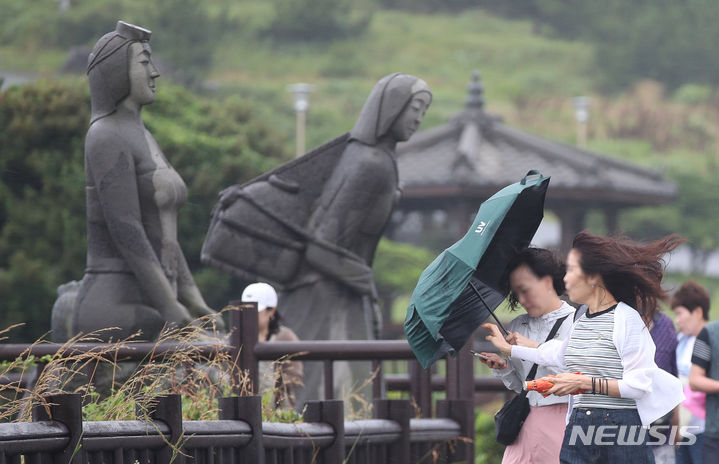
443, 49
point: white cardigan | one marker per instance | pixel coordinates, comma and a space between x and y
537, 329
656, 391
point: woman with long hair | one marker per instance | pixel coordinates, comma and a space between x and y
534, 278
616, 387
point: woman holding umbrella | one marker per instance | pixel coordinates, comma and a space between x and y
619, 281
535, 283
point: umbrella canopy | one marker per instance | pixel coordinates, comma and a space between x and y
459, 290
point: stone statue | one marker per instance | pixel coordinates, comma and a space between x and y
312, 225
136, 276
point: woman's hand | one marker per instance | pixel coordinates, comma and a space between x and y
568, 383
495, 361
497, 339
516, 338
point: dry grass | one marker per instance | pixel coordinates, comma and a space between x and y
124, 390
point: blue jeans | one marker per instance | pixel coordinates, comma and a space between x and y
610, 436
710, 449
691, 454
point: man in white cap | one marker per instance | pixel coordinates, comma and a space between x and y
282, 376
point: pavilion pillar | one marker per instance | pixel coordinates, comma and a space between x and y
460, 218
572, 221
611, 220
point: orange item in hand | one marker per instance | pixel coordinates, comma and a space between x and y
539, 385
544, 384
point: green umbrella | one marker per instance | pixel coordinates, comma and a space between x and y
460, 289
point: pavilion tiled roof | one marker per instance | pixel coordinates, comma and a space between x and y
475, 154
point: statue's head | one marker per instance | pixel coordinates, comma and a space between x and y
394, 109
108, 67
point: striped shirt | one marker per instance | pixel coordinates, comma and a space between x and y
592, 352
702, 353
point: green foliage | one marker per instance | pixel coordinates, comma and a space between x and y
693, 216
693, 94
42, 183
119, 406
42, 213
272, 413
187, 34
319, 20
183, 34
486, 448
672, 42
397, 266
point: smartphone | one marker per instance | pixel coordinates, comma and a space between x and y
480, 356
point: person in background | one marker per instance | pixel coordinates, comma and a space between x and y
281, 376
662, 331
535, 282
690, 304
704, 377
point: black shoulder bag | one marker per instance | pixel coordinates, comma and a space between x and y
508, 420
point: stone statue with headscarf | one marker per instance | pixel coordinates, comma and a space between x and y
312, 225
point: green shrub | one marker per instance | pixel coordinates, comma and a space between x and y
486, 448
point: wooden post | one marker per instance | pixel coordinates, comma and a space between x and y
65, 408
378, 390
330, 412
243, 338
462, 412
328, 375
421, 387
169, 410
247, 409
399, 411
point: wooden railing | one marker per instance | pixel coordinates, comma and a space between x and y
362, 438
58, 435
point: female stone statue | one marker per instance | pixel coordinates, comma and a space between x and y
350, 216
136, 277
336, 298
311, 226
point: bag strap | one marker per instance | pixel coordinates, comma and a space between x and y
578, 313
552, 333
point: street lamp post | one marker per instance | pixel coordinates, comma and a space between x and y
581, 114
301, 93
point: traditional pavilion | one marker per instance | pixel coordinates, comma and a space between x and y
447, 171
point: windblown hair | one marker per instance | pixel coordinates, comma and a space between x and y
541, 262
274, 325
691, 295
632, 272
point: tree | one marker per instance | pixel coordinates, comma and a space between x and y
693, 216
396, 268
671, 42
318, 20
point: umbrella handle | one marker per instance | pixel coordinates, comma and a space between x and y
533, 172
506, 333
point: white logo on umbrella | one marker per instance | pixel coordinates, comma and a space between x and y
480, 227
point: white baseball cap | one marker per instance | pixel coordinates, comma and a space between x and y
262, 293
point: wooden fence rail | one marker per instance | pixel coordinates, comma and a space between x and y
392, 434
58, 435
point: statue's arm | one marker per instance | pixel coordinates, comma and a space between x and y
344, 209
189, 294
114, 177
